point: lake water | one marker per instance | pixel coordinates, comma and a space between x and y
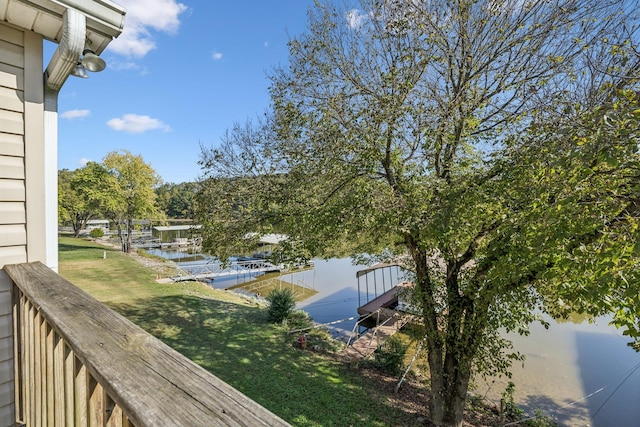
564, 364
580, 374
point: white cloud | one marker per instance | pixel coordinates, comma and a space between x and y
83, 161
143, 15
216, 56
135, 123
355, 18
75, 114
266, 44
127, 66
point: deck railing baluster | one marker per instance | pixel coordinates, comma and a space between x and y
78, 363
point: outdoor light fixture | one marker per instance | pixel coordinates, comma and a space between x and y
89, 61
79, 71
92, 62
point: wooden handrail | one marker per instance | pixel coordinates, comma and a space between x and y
74, 354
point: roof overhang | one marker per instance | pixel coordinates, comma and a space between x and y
375, 267
104, 19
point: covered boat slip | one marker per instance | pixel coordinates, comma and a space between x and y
383, 313
386, 304
387, 278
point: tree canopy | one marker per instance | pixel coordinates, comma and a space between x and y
492, 145
86, 193
71, 207
136, 182
121, 188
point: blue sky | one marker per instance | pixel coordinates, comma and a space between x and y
181, 74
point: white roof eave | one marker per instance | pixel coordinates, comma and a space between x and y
104, 19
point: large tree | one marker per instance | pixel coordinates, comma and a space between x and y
71, 208
137, 181
86, 193
492, 143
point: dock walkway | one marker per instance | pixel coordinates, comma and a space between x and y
211, 270
366, 344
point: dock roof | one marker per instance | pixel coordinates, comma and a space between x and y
177, 227
375, 267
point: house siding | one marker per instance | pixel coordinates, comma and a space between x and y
13, 227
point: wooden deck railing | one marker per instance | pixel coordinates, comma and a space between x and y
78, 363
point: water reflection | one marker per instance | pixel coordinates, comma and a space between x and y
178, 255
337, 297
576, 373
607, 364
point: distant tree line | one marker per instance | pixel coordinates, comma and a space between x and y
177, 200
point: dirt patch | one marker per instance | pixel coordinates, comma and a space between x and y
413, 397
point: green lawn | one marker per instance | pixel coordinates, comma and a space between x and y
229, 336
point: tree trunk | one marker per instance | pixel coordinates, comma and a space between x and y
449, 386
129, 239
78, 225
451, 348
123, 241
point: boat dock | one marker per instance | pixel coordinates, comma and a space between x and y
385, 304
212, 270
383, 314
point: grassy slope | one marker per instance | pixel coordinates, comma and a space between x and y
230, 337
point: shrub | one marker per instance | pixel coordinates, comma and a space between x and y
390, 356
96, 233
320, 340
281, 305
515, 413
510, 408
299, 319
